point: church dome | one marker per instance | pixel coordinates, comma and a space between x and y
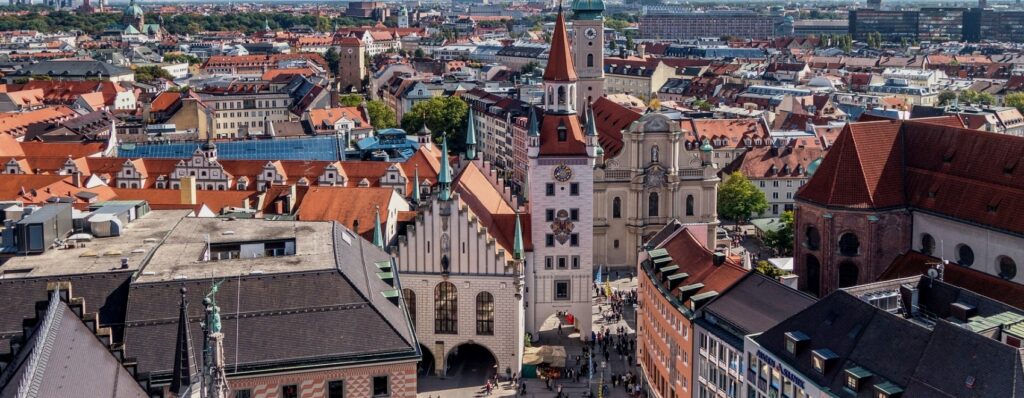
811, 168
133, 10
706, 147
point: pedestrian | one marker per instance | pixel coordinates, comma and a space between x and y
522, 387
508, 373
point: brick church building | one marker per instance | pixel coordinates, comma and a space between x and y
890, 187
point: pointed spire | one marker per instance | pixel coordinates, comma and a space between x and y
470, 136
444, 179
181, 379
517, 243
532, 127
378, 237
416, 186
266, 24
591, 128
560, 67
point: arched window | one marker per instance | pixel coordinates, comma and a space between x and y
616, 207
485, 314
848, 274
927, 244
689, 205
561, 95
813, 274
551, 96
1007, 267
590, 60
964, 255
849, 244
652, 205
410, 304
446, 309
654, 154
813, 238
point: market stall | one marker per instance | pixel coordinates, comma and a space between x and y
543, 362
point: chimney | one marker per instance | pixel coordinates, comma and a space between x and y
718, 258
188, 190
641, 50
124, 262
910, 296
292, 198
76, 178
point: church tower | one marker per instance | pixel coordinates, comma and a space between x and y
560, 185
588, 41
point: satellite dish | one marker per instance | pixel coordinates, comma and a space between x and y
933, 273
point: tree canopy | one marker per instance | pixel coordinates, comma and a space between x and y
381, 116
739, 199
781, 240
146, 74
442, 115
350, 100
1015, 100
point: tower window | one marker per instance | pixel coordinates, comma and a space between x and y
590, 60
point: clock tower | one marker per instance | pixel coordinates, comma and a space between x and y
560, 185
588, 43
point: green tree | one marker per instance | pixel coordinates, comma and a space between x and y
381, 116
769, 270
530, 67
946, 97
333, 59
781, 240
419, 53
146, 74
739, 199
974, 97
181, 57
630, 46
702, 104
442, 115
350, 100
1015, 100
619, 25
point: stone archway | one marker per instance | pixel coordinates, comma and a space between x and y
428, 363
470, 362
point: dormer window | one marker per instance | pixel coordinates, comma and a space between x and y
856, 377
795, 340
822, 358
887, 390
562, 133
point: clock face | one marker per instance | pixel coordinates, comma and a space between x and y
563, 173
350, 51
590, 33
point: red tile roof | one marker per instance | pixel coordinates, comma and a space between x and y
612, 119
574, 143
695, 259
491, 206
861, 170
767, 162
63, 149
560, 67
345, 205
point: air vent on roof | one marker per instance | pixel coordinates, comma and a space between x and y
256, 272
180, 277
228, 233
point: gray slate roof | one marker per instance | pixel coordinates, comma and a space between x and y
63, 358
941, 361
76, 68
318, 317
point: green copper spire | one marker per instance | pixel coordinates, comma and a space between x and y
591, 128
532, 128
517, 244
470, 136
416, 186
378, 238
444, 179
